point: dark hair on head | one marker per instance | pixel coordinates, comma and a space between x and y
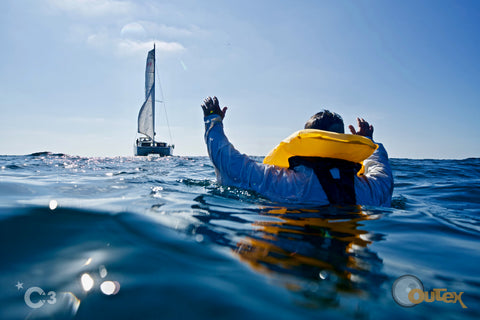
326, 120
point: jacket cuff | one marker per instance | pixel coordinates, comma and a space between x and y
210, 122
212, 118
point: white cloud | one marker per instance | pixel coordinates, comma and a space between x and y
103, 41
139, 29
133, 30
123, 39
94, 7
132, 46
170, 31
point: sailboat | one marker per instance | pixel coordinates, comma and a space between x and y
146, 144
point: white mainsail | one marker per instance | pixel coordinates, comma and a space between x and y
146, 116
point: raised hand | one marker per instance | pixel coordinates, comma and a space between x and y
211, 106
364, 129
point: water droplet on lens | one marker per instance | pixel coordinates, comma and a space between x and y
53, 204
103, 271
110, 287
87, 282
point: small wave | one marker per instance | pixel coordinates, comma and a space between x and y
239, 194
47, 153
12, 166
399, 202
197, 183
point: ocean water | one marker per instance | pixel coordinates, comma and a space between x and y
157, 238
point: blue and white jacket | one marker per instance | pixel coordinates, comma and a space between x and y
287, 186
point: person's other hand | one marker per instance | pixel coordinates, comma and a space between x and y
364, 129
211, 106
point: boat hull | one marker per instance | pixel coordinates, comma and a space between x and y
161, 149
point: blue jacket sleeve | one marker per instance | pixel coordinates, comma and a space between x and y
277, 184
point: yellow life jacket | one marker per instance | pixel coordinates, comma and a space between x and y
325, 144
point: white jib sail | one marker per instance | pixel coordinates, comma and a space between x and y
146, 116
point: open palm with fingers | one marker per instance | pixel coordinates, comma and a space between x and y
364, 129
211, 106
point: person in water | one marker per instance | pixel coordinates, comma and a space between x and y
307, 180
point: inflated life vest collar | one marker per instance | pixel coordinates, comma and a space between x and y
319, 143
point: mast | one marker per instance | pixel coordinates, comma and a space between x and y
153, 98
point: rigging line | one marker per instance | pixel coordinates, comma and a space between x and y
164, 104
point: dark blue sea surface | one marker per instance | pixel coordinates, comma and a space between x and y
157, 238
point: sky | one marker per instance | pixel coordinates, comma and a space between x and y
72, 72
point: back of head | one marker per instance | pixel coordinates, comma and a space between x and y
326, 120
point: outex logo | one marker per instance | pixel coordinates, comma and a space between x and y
408, 291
